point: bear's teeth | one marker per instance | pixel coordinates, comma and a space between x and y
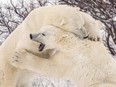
41, 46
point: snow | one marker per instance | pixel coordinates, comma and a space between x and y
40, 81
3, 37
8, 1
114, 19
107, 1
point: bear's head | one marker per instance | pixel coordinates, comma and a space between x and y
53, 39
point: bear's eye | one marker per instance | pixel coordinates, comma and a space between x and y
43, 34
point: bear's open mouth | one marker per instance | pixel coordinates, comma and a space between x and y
41, 46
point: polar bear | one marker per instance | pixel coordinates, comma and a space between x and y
72, 20
72, 58
67, 19
82, 24
64, 18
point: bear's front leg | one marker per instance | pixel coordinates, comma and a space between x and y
21, 60
24, 60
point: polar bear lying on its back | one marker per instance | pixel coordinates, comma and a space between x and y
71, 58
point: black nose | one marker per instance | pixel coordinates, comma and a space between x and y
31, 36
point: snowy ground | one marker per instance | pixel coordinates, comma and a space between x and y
41, 81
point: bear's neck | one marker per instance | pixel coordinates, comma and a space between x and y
91, 61
88, 49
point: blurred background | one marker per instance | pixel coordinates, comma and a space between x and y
13, 12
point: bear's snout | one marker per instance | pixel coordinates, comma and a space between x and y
35, 37
31, 36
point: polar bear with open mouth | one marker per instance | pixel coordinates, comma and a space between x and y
62, 16
70, 57
66, 18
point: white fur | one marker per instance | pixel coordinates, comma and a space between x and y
65, 17
92, 27
19, 39
85, 62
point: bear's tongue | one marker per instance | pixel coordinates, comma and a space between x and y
41, 46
